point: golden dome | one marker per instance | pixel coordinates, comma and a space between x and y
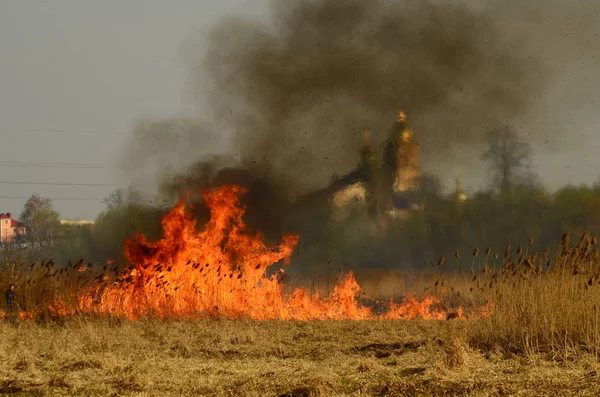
406, 136
401, 116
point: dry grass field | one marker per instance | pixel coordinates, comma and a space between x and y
541, 337
278, 358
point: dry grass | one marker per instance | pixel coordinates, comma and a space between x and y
543, 305
244, 358
541, 338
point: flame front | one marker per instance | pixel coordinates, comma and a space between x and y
221, 272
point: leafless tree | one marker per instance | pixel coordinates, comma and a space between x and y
509, 158
115, 199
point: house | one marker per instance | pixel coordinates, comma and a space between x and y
10, 229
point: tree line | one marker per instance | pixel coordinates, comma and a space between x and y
512, 210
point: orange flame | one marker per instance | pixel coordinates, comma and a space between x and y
222, 272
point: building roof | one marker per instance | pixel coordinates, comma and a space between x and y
15, 223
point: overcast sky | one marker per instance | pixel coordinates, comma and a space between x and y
79, 73
75, 75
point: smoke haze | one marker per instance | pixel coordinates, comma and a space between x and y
291, 97
285, 102
299, 93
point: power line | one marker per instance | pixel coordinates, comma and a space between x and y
58, 183
46, 130
53, 198
51, 165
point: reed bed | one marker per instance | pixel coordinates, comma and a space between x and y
542, 304
539, 304
540, 337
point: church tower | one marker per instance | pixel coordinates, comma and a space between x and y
459, 194
408, 159
403, 160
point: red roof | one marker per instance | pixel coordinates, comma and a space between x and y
13, 222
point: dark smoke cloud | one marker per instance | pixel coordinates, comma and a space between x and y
299, 91
290, 99
291, 96
158, 149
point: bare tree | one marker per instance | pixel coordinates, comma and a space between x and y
121, 197
509, 158
115, 199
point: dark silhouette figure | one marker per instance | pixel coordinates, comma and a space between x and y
10, 298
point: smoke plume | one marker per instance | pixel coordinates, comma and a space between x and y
299, 91
289, 98
292, 95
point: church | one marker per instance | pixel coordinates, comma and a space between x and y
387, 188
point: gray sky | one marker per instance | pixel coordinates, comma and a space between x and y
78, 66
75, 75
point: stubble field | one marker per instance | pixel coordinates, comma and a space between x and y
275, 358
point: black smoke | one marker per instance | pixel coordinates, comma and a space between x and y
291, 96
298, 92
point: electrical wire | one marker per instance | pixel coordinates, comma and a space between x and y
54, 198
58, 183
51, 165
48, 130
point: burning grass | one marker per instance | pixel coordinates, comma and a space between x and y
204, 303
516, 301
219, 272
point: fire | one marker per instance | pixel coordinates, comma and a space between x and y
21, 315
221, 271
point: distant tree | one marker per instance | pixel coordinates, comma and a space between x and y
509, 158
41, 219
113, 227
115, 199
